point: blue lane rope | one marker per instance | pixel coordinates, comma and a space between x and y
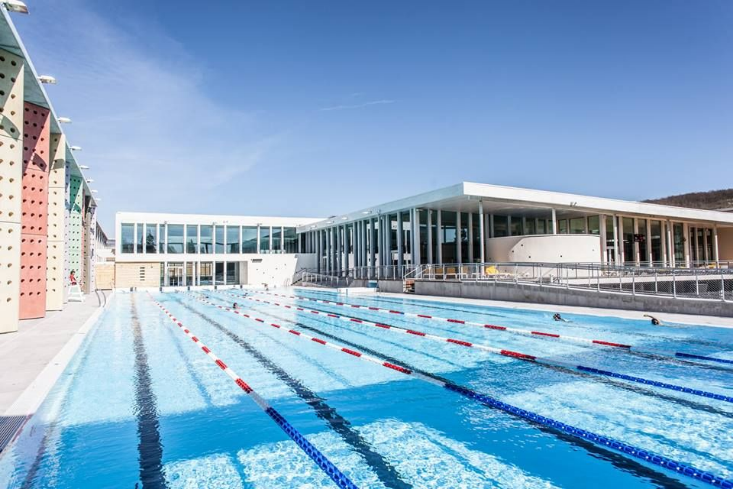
687, 390
333, 472
703, 357
645, 455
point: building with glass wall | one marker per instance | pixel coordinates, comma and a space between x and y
184, 249
474, 222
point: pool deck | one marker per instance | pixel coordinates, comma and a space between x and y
32, 358
713, 321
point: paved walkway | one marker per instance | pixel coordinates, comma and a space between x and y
25, 354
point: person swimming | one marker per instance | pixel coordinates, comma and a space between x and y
235, 306
655, 321
558, 317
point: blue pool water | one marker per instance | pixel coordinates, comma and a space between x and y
142, 405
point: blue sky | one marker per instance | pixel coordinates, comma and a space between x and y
316, 108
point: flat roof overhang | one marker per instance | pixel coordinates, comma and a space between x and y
522, 202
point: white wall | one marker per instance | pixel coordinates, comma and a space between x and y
276, 270
555, 248
725, 243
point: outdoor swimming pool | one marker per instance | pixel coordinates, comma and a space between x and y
141, 404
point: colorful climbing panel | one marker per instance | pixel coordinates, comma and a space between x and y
55, 277
75, 229
34, 211
11, 175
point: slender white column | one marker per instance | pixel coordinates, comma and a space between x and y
440, 237
604, 237
622, 251
637, 258
347, 244
616, 254
430, 235
470, 237
400, 239
482, 237
417, 237
459, 251
554, 221
669, 249
716, 251
649, 256
508, 225
258, 236
372, 242
686, 233
319, 251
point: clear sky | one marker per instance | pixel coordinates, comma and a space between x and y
313, 108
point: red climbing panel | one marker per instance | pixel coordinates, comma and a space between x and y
34, 211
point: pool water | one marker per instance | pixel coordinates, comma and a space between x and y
142, 406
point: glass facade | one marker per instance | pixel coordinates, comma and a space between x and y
249, 239
151, 238
128, 238
449, 233
219, 234
232, 277
500, 227
655, 241
628, 239
192, 238
276, 238
679, 244
291, 240
641, 240
577, 225
206, 275
206, 243
594, 224
139, 239
233, 239
265, 239
219, 273
163, 236
175, 238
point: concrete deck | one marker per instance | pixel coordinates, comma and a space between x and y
24, 355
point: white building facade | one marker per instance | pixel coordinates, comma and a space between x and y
190, 250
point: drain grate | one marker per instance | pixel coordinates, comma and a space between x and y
9, 425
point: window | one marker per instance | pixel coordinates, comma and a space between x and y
500, 227
192, 238
541, 226
219, 233
531, 228
562, 226
291, 241
627, 239
219, 273
139, 240
448, 222
679, 244
641, 235
205, 273
249, 239
276, 234
594, 224
205, 244
577, 225
175, 238
264, 239
128, 238
656, 241
161, 240
233, 239
151, 238
232, 273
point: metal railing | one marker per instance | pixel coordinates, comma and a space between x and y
709, 280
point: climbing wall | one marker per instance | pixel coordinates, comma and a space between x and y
74, 226
55, 278
34, 211
11, 175
90, 250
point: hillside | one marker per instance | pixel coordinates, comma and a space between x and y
713, 199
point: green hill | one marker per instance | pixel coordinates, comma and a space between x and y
713, 199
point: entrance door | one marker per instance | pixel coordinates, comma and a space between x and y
175, 275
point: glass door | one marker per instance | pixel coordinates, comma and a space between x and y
175, 274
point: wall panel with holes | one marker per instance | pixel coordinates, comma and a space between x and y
11, 174
55, 278
34, 210
74, 225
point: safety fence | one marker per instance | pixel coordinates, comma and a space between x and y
603, 441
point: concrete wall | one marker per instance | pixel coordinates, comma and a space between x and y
571, 297
137, 274
550, 248
276, 270
105, 275
725, 243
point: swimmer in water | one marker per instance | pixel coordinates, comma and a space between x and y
558, 317
236, 306
655, 321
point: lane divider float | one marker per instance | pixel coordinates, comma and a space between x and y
500, 351
323, 463
494, 327
604, 441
